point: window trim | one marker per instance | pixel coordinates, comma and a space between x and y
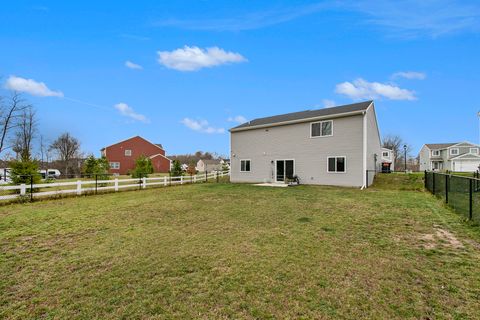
454, 154
435, 155
112, 167
249, 160
386, 156
474, 148
320, 136
345, 164
125, 153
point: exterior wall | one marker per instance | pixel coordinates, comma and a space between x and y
390, 159
292, 142
139, 146
445, 156
425, 159
374, 147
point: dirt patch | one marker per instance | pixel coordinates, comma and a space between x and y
441, 237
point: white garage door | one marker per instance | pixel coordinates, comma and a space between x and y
466, 165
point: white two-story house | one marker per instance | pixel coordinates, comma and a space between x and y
330, 146
460, 157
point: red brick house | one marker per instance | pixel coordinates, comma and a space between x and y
122, 155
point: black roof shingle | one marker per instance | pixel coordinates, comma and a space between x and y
361, 106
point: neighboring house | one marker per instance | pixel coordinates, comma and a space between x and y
209, 165
330, 146
388, 160
184, 167
122, 155
460, 157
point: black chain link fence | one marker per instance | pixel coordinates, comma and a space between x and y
462, 193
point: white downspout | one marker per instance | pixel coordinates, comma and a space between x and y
365, 182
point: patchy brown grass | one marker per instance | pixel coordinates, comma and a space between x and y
238, 251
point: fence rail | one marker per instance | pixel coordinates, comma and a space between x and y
462, 193
48, 189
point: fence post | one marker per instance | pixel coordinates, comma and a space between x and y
181, 179
366, 174
79, 187
96, 183
116, 184
170, 178
470, 212
165, 181
433, 184
206, 176
425, 180
195, 178
31, 187
446, 188
144, 182
23, 189
216, 175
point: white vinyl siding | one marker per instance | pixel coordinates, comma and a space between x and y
474, 150
245, 166
337, 164
321, 129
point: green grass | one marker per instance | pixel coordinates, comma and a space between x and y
214, 251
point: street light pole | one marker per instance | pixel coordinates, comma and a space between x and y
405, 150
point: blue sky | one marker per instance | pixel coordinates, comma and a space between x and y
181, 73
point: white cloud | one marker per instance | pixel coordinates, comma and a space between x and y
362, 89
411, 75
201, 126
195, 58
30, 86
237, 119
127, 111
131, 65
328, 103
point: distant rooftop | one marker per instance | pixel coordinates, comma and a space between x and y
361, 106
439, 145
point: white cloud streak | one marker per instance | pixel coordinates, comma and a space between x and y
238, 119
131, 65
30, 86
127, 111
362, 89
195, 58
411, 75
201, 126
328, 103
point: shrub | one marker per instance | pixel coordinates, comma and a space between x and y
176, 169
143, 167
99, 167
22, 171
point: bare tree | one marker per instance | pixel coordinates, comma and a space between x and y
67, 148
396, 144
9, 112
24, 134
44, 153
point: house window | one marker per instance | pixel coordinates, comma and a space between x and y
435, 153
114, 165
321, 129
386, 154
337, 164
244, 165
474, 150
454, 151
128, 153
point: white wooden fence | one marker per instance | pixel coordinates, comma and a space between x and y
79, 187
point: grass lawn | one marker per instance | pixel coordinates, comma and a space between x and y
239, 251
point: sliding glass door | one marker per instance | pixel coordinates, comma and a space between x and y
284, 169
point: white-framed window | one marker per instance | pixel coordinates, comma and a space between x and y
128, 152
321, 129
386, 154
454, 151
245, 165
114, 165
435, 153
337, 164
474, 150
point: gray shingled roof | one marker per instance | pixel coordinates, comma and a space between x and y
439, 145
361, 106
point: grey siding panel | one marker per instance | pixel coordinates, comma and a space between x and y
374, 148
264, 146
